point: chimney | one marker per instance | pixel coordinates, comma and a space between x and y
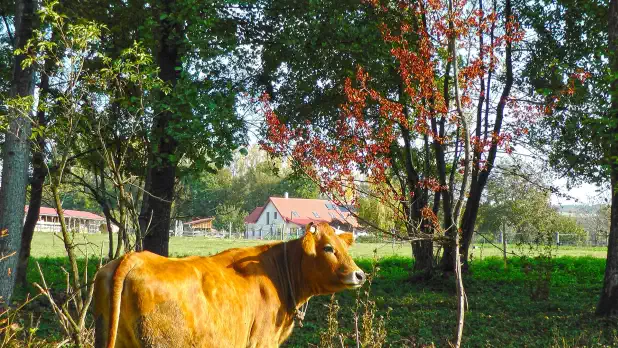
286, 195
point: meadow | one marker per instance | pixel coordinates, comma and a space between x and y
50, 245
504, 306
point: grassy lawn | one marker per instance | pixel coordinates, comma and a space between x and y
502, 309
49, 245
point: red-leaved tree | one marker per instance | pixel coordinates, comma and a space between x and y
411, 150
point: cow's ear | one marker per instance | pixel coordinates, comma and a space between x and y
347, 238
312, 229
309, 242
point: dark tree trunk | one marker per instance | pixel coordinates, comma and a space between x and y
34, 207
15, 155
161, 173
39, 172
421, 250
447, 201
479, 178
423, 257
608, 304
470, 213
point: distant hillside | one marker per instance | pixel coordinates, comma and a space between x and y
575, 209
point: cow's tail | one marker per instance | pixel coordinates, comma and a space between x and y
126, 265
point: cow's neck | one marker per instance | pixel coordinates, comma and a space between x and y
295, 290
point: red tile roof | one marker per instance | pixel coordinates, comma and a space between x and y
198, 221
254, 216
305, 208
304, 221
69, 213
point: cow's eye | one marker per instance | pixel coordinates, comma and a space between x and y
329, 249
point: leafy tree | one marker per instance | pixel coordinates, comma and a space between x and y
371, 209
240, 188
202, 193
197, 118
567, 65
297, 185
67, 134
395, 120
39, 171
573, 63
525, 209
230, 216
194, 123
599, 228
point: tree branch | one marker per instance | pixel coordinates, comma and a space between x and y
8, 31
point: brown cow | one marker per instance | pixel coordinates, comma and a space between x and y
245, 297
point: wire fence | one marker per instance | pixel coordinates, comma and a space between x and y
557, 238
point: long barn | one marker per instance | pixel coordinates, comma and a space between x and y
76, 220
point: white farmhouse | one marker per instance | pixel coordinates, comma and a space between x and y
283, 217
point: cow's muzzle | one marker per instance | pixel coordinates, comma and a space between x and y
355, 279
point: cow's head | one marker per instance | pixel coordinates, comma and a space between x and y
327, 264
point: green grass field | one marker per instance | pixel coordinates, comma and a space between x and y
50, 245
503, 311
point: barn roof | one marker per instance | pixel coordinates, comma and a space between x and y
301, 211
199, 220
77, 214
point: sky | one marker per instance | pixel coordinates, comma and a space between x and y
585, 194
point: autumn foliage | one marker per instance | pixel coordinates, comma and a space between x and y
387, 144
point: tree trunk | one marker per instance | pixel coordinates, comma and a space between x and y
39, 172
421, 250
69, 245
477, 186
15, 155
34, 207
608, 304
423, 257
470, 214
161, 176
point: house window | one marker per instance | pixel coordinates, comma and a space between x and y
295, 214
275, 214
330, 206
315, 213
332, 215
268, 218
